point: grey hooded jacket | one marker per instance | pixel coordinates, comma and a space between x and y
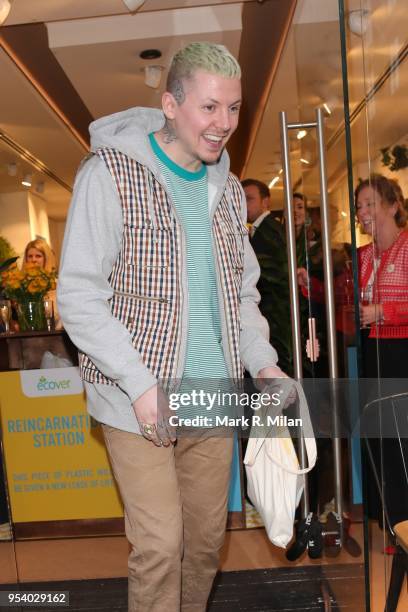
91, 245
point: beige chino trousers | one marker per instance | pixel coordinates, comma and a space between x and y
175, 502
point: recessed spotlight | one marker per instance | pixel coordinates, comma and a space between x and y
304, 161
150, 54
327, 108
301, 134
27, 180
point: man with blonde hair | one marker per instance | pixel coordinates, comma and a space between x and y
157, 284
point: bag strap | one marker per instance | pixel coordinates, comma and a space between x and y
255, 444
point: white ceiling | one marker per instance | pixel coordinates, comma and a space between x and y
101, 56
34, 11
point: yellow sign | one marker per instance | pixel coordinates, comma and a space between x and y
56, 463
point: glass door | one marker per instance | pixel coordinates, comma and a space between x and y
303, 151
376, 54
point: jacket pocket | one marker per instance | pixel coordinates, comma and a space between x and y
147, 247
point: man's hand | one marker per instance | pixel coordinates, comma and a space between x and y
265, 379
271, 372
152, 413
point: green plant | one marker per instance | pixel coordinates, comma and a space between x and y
396, 158
6, 250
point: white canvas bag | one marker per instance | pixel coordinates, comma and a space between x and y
275, 479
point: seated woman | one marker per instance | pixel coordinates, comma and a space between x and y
39, 253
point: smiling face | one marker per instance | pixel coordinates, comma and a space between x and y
299, 212
373, 214
36, 257
204, 121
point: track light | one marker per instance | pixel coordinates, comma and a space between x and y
5, 7
133, 5
358, 21
27, 180
153, 76
12, 169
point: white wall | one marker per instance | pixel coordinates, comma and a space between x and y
15, 220
23, 217
57, 229
38, 217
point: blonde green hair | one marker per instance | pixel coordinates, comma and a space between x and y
205, 56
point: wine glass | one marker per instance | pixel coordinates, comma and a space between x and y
49, 313
5, 314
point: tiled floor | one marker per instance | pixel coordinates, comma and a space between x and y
105, 557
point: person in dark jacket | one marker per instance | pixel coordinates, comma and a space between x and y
269, 243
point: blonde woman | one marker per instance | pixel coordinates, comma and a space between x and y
39, 253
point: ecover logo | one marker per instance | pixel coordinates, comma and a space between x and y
50, 385
51, 381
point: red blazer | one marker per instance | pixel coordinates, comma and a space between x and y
390, 286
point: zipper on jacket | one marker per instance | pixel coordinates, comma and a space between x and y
146, 298
181, 354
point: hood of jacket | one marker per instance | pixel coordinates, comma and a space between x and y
128, 133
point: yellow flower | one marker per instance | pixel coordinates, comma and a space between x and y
33, 287
13, 284
32, 270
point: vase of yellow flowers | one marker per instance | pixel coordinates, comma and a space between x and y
28, 288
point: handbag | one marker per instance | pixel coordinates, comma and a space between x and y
275, 481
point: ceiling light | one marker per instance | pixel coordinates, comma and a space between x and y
343, 214
12, 169
280, 171
326, 108
150, 54
4, 10
133, 5
358, 21
273, 182
304, 161
301, 134
27, 180
153, 76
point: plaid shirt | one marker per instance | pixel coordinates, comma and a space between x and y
147, 276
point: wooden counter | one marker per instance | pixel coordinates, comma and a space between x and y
24, 350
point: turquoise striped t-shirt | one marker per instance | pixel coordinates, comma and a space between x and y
189, 191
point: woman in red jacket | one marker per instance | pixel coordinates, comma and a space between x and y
383, 280
383, 276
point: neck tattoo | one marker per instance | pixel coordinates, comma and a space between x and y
169, 133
